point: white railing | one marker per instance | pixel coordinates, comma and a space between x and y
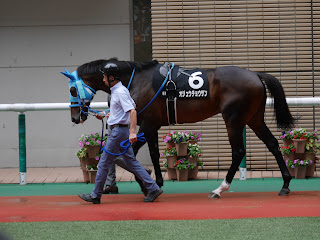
25, 107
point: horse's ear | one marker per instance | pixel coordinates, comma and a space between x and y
69, 75
67, 71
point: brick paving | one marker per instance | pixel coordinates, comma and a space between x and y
74, 175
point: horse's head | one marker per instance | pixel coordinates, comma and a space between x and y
80, 96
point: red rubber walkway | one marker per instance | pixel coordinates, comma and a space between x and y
166, 207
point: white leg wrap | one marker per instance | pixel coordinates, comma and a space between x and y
223, 187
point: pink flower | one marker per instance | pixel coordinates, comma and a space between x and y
301, 162
97, 158
87, 143
98, 141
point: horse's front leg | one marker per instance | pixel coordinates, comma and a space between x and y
238, 152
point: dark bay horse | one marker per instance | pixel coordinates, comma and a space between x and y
238, 94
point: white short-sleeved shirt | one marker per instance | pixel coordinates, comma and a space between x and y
120, 105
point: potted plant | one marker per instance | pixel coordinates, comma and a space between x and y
181, 141
92, 170
92, 143
193, 152
290, 166
300, 168
169, 139
182, 166
299, 138
288, 151
171, 154
194, 169
172, 173
194, 137
286, 137
82, 154
85, 142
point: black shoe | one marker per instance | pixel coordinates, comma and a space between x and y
88, 198
110, 189
153, 195
144, 191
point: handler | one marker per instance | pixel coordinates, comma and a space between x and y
122, 113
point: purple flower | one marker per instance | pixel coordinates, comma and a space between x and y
295, 161
87, 143
301, 162
161, 154
311, 161
97, 158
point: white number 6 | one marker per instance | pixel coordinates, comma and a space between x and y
194, 78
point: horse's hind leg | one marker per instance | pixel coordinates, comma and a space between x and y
262, 131
153, 144
238, 151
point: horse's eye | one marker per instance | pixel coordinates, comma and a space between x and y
73, 92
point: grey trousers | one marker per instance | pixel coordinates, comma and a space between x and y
117, 135
111, 177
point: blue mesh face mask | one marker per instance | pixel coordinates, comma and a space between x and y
84, 92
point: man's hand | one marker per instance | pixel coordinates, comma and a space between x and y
100, 116
132, 137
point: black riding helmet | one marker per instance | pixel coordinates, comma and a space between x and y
110, 69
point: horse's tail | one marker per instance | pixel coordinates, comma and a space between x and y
283, 116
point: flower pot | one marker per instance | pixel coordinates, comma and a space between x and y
311, 156
172, 173
193, 173
193, 141
310, 169
90, 161
289, 157
182, 148
193, 159
93, 151
182, 174
170, 144
300, 172
92, 175
171, 160
84, 171
300, 145
287, 142
291, 171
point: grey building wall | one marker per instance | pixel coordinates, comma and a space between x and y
38, 39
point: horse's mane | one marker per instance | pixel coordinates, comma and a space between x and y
93, 67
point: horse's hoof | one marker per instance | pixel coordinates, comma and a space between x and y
160, 183
213, 196
284, 192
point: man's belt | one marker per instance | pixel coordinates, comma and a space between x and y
119, 125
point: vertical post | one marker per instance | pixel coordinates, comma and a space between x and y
243, 164
22, 149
